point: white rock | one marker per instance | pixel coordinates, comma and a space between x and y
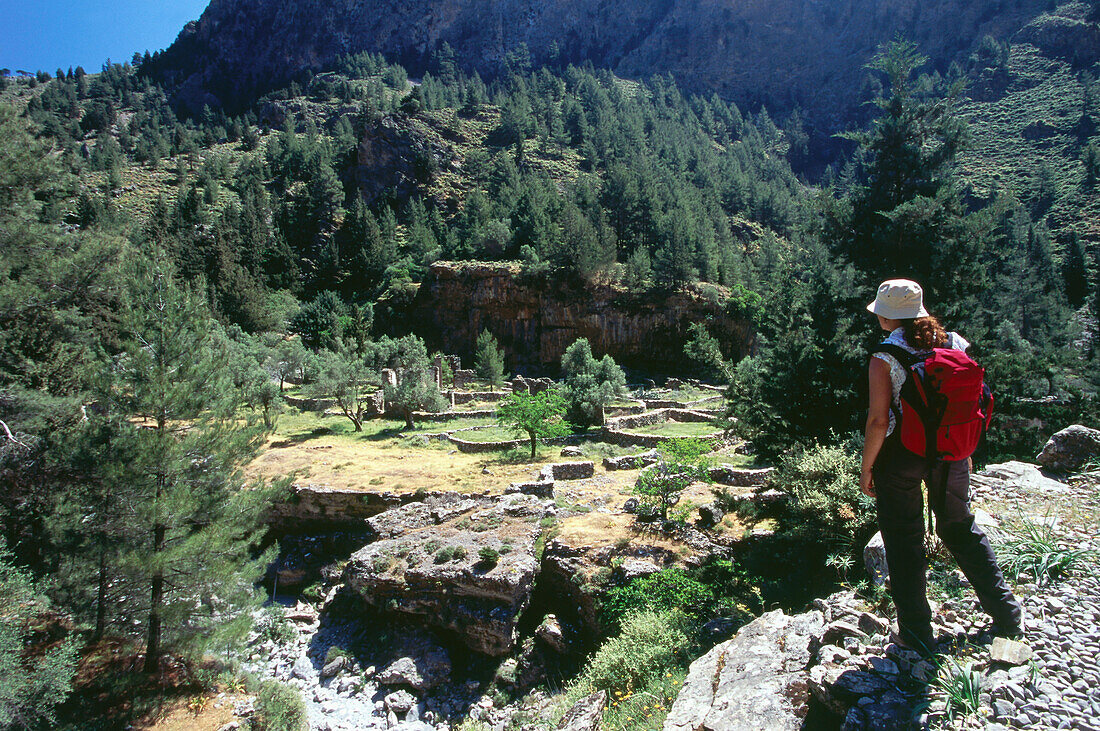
303, 668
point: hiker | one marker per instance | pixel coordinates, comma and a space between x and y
892, 473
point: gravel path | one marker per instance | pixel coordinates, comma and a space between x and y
1060, 689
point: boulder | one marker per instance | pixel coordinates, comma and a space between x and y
1017, 477
634, 568
550, 632
419, 673
756, 680
586, 714
1070, 449
710, 515
401, 701
571, 452
303, 668
332, 668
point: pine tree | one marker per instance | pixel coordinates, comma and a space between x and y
489, 359
907, 217
171, 401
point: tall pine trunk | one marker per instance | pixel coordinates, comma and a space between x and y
101, 597
156, 598
156, 592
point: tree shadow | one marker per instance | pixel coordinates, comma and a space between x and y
296, 439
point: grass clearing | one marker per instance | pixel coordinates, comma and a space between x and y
676, 429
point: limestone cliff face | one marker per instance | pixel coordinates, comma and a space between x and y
535, 318
781, 52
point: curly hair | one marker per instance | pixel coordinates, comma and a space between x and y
924, 333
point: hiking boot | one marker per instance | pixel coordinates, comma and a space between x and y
1008, 630
925, 646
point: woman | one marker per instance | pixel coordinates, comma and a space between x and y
893, 475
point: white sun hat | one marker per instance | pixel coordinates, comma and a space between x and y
899, 299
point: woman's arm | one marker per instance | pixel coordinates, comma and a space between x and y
878, 421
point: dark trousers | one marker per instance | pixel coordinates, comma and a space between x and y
898, 475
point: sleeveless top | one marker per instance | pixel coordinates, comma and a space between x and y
897, 370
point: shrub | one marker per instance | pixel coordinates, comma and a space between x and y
334, 652
433, 545
668, 590
826, 505
273, 625
280, 707
488, 556
458, 553
444, 554
650, 644
313, 593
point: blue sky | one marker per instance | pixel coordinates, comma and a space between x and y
47, 34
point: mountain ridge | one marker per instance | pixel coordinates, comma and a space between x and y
787, 55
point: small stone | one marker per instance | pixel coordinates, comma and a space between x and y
872, 624
1010, 652
231, 726
838, 631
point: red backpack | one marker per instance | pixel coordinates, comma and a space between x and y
945, 404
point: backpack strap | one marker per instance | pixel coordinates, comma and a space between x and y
903, 356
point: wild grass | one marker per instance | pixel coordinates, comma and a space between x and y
1032, 548
961, 687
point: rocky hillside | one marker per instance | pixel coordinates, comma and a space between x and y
784, 54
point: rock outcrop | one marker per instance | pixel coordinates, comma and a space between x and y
535, 318
756, 680
787, 54
471, 575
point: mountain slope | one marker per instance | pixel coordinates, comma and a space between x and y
784, 54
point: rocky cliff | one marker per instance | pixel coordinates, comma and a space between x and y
535, 318
784, 53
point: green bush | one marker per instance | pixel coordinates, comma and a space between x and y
313, 593
334, 652
826, 505
280, 707
444, 554
488, 556
273, 625
650, 644
668, 590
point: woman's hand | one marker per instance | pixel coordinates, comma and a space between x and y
867, 483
